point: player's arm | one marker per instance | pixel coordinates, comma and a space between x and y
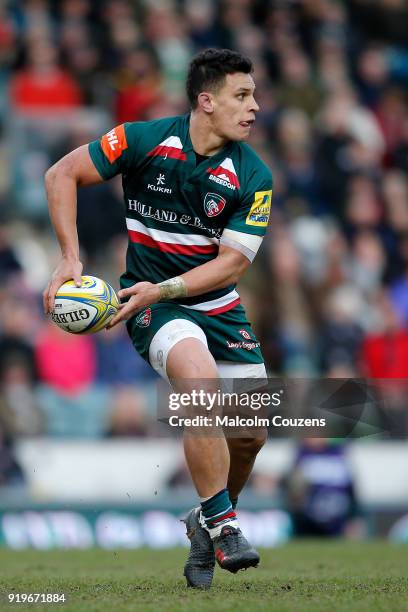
61, 183
226, 269
223, 270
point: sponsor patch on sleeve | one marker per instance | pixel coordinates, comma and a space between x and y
114, 143
260, 209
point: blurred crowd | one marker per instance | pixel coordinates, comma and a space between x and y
328, 294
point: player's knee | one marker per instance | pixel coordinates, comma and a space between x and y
250, 446
257, 443
190, 358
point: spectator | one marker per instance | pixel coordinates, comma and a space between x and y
342, 330
385, 350
9, 263
139, 84
73, 406
321, 494
65, 362
117, 363
129, 415
42, 85
11, 473
18, 403
298, 88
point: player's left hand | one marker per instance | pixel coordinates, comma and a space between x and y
140, 295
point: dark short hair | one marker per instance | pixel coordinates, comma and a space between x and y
208, 69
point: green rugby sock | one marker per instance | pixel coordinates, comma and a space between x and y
217, 511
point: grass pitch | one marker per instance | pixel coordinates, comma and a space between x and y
302, 576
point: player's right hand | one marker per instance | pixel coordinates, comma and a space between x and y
67, 269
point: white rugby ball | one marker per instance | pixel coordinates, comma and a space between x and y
86, 309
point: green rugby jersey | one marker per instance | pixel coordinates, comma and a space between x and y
178, 212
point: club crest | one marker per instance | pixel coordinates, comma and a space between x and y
245, 334
143, 318
213, 204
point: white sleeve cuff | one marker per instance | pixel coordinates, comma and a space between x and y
247, 244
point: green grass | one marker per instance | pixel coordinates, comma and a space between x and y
303, 576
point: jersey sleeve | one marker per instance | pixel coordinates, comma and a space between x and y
246, 227
113, 153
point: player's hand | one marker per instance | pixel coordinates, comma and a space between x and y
141, 295
66, 270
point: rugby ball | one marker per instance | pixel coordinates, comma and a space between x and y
86, 309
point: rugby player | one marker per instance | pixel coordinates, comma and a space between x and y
197, 206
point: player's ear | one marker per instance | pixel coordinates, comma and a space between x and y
205, 102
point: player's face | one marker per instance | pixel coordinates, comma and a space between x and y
234, 107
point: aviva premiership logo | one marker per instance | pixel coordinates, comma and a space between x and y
260, 209
213, 204
143, 318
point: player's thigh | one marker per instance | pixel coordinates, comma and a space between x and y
179, 350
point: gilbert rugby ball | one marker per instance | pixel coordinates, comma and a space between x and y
86, 309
